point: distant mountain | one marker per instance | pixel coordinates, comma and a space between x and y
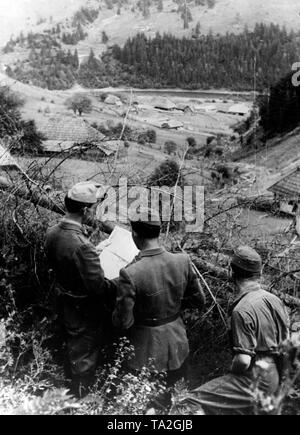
209, 43
121, 19
26, 15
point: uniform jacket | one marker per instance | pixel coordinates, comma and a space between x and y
83, 294
75, 261
259, 322
150, 295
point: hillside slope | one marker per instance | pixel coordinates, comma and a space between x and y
226, 15
279, 153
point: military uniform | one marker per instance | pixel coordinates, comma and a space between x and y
150, 295
259, 324
82, 291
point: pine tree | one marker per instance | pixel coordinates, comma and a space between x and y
185, 22
146, 10
104, 38
160, 6
198, 29
76, 60
92, 61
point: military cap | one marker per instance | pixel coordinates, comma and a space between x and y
247, 259
147, 218
84, 192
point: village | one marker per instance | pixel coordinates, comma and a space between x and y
150, 218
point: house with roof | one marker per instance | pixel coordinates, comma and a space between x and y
287, 192
239, 109
163, 103
172, 124
113, 100
63, 134
186, 108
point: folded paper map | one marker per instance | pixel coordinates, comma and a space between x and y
117, 252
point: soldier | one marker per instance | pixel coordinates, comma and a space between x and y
82, 289
151, 292
259, 324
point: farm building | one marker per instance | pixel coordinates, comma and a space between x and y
206, 107
163, 103
287, 192
239, 109
186, 108
172, 124
113, 100
63, 133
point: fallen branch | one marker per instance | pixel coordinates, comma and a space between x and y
222, 274
35, 196
44, 200
221, 311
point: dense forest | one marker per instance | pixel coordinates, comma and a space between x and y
204, 62
209, 61
46, 68
280, 112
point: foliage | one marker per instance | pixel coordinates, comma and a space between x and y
85, 15
166, 174
170, 147
191, 142
10, 117
30, 141
196, 62
48, 65
280, 112
53, 402
79, 103
114, 131
116, 392
104, 38
147, 136
26, 137
73, 38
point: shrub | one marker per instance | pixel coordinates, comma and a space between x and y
191, 142
219, 152
151, 136
209, 140
170, 147
79, 103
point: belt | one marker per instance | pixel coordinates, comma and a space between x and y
152, 323
62, 292
266, 354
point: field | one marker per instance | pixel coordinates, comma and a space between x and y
204, 122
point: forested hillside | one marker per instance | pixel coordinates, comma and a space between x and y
210, 62
165, 61
281, 111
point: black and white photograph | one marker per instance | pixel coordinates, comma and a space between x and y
149, 210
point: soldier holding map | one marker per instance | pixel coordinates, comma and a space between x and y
81, 286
